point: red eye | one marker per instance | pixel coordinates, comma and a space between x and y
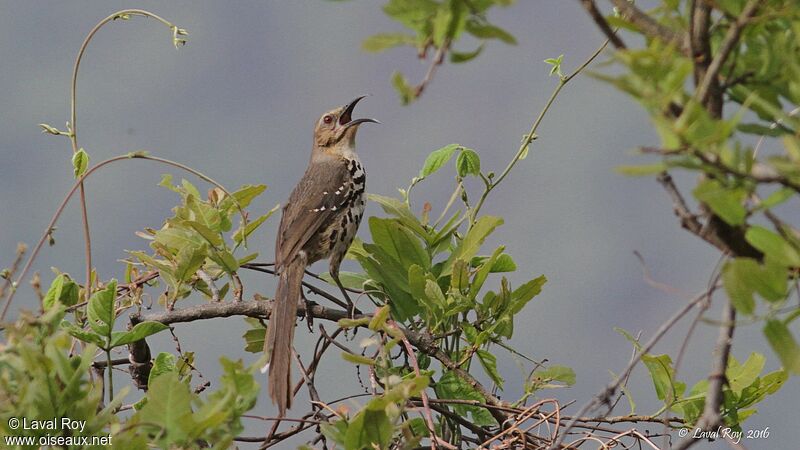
327, 119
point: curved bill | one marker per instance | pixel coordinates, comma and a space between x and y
346, 119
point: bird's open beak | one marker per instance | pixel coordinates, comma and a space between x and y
346, 119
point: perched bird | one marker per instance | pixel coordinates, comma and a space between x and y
319, 221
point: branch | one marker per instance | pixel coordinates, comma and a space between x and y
602, 23
711, 417
728, 43
650, 27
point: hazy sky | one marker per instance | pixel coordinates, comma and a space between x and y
239, 103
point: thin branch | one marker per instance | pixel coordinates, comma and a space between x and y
711, 417
728, 43
648, 26
602, 23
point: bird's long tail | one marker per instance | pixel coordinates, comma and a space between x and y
280, 333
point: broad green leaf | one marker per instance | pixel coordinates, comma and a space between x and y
101, 312
358, 359
489, 363
254, 339
459, 280
742, 375
383, 41
550, 377
661, 371
62, 290
783, 344
400, 210
350, 280
472, 242
80, 162
736, 279
485, 30
251, 226
243, 196
483, 272
450, 386
773, 245
437, 159
169, 405
225, 260
468, 163
138, 332
212, 237
163, 363
525, 293
398, 242
727, 203
503, 263
369, 429
79, 333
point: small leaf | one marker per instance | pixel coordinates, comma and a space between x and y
163, 363
437, 159
101, 311
727, 203
358, 359
384, 41
783, 344
462, 57
137, 333
485, 30
62, 290
489, 363
81, 334
468, 163
406, 92
642, 170
772, 244
80, 162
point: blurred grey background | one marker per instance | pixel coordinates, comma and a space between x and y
239, 103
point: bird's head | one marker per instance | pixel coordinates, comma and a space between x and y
336, 129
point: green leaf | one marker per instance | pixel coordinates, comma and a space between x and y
169, 406
783, 344
369, 429
80, 162
358, 359
502, 263
62, 290
472, 242
489, 363
550, 377
254, 339
213, 237
243, 196
101, 312
738, 283
642, 170
462, 57
383, 41
137, 333
727, 203
399, 242
485, 30
163, 363
525, 293
437, 159
661, 371
404, 90
225, 260
251, 226
483, 272
741, 376
450, 386
773, 245
81, 334
468, 163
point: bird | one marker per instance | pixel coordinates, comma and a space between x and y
319, 221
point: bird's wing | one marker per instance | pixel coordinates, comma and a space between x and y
323, 190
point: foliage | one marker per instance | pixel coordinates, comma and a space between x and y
744, 182
435, 26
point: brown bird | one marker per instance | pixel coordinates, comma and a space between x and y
319, 221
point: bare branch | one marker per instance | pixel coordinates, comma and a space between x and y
602, 23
